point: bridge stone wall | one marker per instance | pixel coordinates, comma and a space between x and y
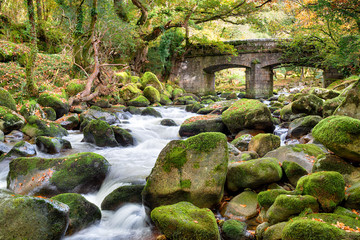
259, 56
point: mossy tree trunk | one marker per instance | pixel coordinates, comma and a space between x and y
31, 87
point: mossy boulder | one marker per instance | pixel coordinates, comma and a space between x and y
52, 145
184, 100
50, 113
351, 105
286, 206
264, 143
242, 142
74, 87
308, 104
24, 217
149, 111
31, 108
99, 133
139, 101
165, 100
331, 105
248, 114
193, 170
328, 187
168, 123
293, 171
129, 91
152, 94
96, 113
302, 154
267, 198
122, 136
273, 232
324, 93
20, 149
302, 126
122, 195
184, 221
341, 135
194, 107
82, 213
234, 230
133, 110
346, 212
40, 127
253, 173
60, 106
150, 79
177, 92
287, 114
70, 121
7, 100
353, 197
10, 120
122, 77
198, 124
104, 103
242, 206
80, 173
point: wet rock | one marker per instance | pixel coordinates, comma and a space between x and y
14, 136
327, 187
351, 105
303, 126
82, 213
184, 100
293, 171
264, 143
122, 195
40, 127
2, 136
61, 107
242, 142
168, 122
102, 103
99, 133
96, 113
31, 108
122, 136
177, 92
274, 232
69, 122
139, 101
195, 107
198, 124
149, 111
192, 170
324, 93
253, 173
20, 149
10, 120
80, 173
331, 105
248, 114
186, 221
23, 217
52, 145
243, 206
341, 135
165, 100
353, 197
308, 104
244, 156
267, 198
50, 113
133, 110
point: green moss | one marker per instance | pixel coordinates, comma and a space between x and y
150, 79
38, 127
185, 183
129, 91
309, 149
204, 142
7, 100
267, 198
234, 229
176, 157
74, 88
122, 195
293, 171
152, 94
139, 101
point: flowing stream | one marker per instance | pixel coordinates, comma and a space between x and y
128, 165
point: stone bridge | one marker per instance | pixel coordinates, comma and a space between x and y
259, 56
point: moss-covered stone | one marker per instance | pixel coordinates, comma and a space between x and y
253, 173
351, 105
31, 108
274, 232
10, 120
149, 111
177, 92
97, 113
293, 171
346, 212
302, 126
99, 133
198, 124
184, 221
20, 149
193, 170
165, 100
122, 195
81, 173
40, 127
50, 113
122, 77
184, 100
264, 143
286, 112
353, 198
286, 206
248, 114
7, 100
267, 198
139, 101
60, 106
150, 79
341, 135
129, 92
70, 121
242, 206
242, 142
324, 93
23, 217
152, 94
194, 107
327, 187
74, 87
52, 145
234, 230
82, 212
308, 104
331, 105
122, 136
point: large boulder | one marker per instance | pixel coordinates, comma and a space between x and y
242, 142
152, 94
7, 100
139, 101
341, 135
286, 206
324, 93
99, 133
129, 92
81, 173
23, 217
150, 79
122, 195
353, 197
293, 171
242, 206
10, 120
253, 173
31, 108
267, 198
52, 145
82, 212
69, 122
331, 105
96, 113
302, 126
40, 127
193, 170
198, 124
308, 104
264, 143
149, 111
248, 114
302, 154
328, 187
234, 230
351, 105
122, 136
184, 221
60, 106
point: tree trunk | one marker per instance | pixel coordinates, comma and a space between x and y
1, 1
39, 10
31, 87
